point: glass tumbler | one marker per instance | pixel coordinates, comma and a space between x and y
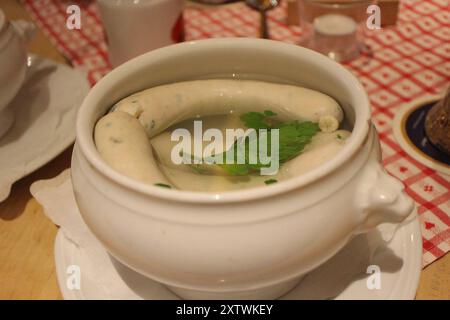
134, 27
334, 28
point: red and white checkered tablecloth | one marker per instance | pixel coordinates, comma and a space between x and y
409, 61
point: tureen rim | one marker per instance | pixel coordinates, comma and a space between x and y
87, 147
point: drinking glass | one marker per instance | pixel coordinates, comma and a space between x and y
334, 28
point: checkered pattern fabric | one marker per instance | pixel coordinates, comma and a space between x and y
407, 62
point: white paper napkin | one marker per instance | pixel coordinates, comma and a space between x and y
57, 198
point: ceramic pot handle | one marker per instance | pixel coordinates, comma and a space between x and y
26, 30
380, 198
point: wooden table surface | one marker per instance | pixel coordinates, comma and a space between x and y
27, 269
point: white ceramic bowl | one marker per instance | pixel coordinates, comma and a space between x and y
255, 243
13, 64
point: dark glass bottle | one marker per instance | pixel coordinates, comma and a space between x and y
437, 124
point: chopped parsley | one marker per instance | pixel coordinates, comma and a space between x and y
271, 181
163, 185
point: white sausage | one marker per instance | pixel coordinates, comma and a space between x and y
323, 147
160, 107
124, 145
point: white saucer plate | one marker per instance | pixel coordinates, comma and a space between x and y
45, 112
345, 276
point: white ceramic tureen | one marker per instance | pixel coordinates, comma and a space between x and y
255, 243
13, 64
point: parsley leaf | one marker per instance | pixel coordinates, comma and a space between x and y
293, 138
257, 120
